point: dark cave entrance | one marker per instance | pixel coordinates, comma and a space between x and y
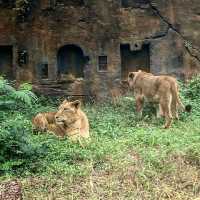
42, 70
75, 3
134, 3
71, 60
6, 61
134, 60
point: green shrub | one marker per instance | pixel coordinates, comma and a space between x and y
16, 145
10, 98
192, 90
190, 94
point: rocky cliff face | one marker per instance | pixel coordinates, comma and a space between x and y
182, 18
156, 35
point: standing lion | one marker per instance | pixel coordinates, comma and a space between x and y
162, 89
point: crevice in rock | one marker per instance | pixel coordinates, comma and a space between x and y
193, 51
159, 36
135, 4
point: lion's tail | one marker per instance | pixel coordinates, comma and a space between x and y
175, 92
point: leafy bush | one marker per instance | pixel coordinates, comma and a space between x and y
190, 94
16, 145
12, 98
192, 90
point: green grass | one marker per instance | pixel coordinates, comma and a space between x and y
127, 158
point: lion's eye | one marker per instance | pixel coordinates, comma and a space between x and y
66, 109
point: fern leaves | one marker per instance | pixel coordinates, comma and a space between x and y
9, 96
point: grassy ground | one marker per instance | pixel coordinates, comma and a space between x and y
127, 158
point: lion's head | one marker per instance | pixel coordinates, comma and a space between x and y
68, 112
131, 78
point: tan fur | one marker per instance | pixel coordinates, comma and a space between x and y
115, 94
57, 129
69, 121
42, 120
158, 89
46, 122
73, 119
118, 91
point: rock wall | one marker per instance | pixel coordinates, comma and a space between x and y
100, 28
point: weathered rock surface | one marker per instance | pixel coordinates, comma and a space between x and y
169, 29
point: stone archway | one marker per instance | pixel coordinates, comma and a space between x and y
71, 60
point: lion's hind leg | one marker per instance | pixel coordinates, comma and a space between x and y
166, 107
139, 105
159, 111
40, 123
174, 109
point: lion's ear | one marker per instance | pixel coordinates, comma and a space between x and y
131, 75
76, 104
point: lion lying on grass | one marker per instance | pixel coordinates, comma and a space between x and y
68, 121
73, 119
162, 89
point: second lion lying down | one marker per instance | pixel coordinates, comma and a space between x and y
68, 121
